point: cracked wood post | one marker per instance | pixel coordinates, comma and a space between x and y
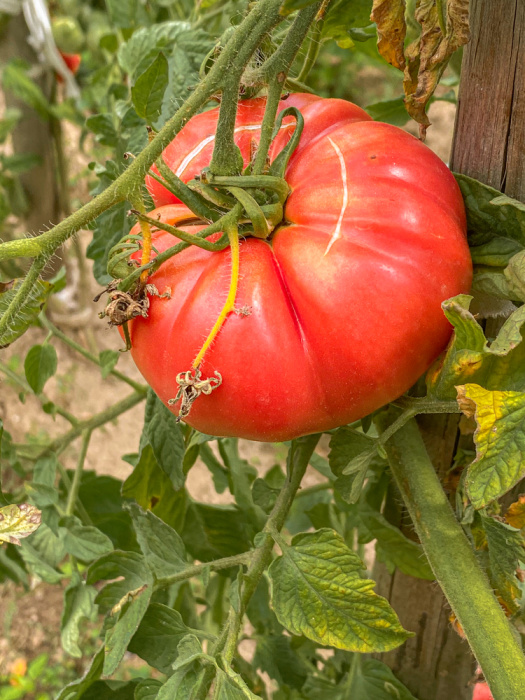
489, 145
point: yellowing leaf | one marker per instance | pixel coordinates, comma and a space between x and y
515, 514
317, 591
389, 16
499, 439
17, 522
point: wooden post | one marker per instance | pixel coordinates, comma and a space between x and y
489, 145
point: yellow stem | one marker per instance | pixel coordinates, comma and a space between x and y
229, 306
146, 239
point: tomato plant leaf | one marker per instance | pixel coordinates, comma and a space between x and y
469, 357
157, 637
427, 57
124, 13
499, 439
393, 548
317, 591
289, 6
78, 605
27, 314
39, 366
275, 656
505, 552
147, 689
18, 521
368, 678
515, 514
126, 571
148, 91
108, 360
162, 547
230, 686
3, 499
389, 111
76, 690
84, 542
15, 79
133, 608
108, 229
153, 490
351, 455
342, 16
164, 434
211, 532
391, 31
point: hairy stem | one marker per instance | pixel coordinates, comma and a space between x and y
453, 561
141, 388
77, 477
23, 293
198, 569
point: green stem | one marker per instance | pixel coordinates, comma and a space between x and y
89, 356
60, 443
298, 458
453, 561
23, 293
198, 569
77, 477
189, 238
313, 51
22, 383
191, 199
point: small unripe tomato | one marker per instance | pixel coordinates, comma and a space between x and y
68, 35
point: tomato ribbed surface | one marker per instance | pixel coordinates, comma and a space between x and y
340, 312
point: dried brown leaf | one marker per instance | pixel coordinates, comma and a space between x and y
515, 514
389, 16
428, 56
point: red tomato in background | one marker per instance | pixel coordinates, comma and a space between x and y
345, 299
72, 61
482, 692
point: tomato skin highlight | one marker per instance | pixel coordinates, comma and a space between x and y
340, 312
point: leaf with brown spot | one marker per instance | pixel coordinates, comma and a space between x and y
17, 522
466, 405
389, 16
428, 56
515, 514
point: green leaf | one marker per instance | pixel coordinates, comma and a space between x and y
28, 314
148, 92
368, 679
3, 440
123, 13
506, 551
76, 690
393, 548
126, 571
21, 162
108, 229
44, 470
351, 455
164, 434
162, 547
108, 361
158, 636
16, 80
499, 440
389, 111
343, 15
41, 494
18, 521
470, 359
230, 686
119, 636
9, 121
79, 604
147, 689
289, 6
84, 542
211, 532
515, 276
39, 366
491, 214
275, 656
104, 129
153, 490
317, 591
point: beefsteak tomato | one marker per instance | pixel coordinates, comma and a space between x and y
340, 311
482, 692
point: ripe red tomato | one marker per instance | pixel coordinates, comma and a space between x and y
72, 61
482, 692
339, 312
